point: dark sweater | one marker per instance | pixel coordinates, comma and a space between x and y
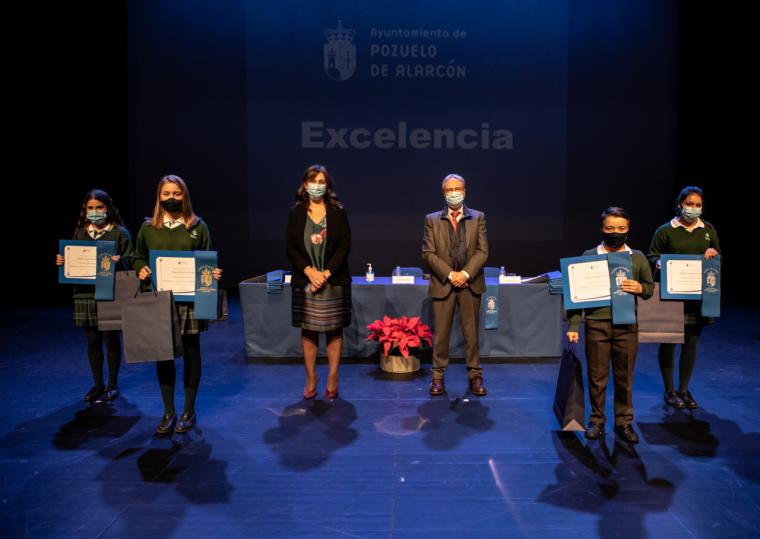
337, 245
124, 249
679, 241
641, 273
197, 238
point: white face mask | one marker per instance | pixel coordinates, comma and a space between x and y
690, 214
315, 190
454, 199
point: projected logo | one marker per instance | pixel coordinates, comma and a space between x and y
339, 53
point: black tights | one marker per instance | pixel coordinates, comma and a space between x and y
167, 375
95, 340
686, 362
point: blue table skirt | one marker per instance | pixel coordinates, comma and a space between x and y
529, 320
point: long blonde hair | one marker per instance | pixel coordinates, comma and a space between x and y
188, 214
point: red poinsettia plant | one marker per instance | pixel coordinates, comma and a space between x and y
399, 333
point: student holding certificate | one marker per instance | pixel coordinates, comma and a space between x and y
607, 342
175, 227
686, 234
99, 220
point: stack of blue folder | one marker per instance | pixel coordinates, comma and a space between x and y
275, 281
555, 282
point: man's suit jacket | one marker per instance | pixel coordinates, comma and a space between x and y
436, 254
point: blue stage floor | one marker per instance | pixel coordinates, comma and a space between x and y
384, 460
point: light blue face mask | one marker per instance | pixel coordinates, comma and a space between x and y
315, 190
97, 217
690, 214
454, 199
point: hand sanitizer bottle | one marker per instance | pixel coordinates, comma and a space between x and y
370, 275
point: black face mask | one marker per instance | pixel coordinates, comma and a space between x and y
614, 239
172, 205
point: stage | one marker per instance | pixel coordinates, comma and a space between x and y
383, 460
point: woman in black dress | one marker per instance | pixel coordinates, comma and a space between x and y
318, 241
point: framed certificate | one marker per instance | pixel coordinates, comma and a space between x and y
85, 261
585, 281
681, 277
188, 274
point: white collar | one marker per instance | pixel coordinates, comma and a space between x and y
96, 233
602, 250
170, 223
675, 223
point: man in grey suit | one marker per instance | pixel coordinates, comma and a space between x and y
455, 249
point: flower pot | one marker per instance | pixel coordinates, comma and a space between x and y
399, 364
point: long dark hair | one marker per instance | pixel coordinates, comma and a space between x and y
683, 195
302, 196
113, 216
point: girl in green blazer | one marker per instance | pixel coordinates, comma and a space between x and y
175, 227
99, 219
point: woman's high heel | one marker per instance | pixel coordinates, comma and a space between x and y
308, 395
331, 394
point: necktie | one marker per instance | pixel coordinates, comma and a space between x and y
454, 215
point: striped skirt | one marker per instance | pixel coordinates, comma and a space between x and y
327, 310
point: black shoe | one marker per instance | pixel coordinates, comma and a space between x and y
687, 399
672, 398
186, 423
167, 423
111, 393
627, 433
437, 387
595, 431
94, 394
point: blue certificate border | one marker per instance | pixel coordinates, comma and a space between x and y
569, 303
62, 279
664, 294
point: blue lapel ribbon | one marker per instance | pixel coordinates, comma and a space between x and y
492, 304
105, 270
206, 287
711, 287
623, 303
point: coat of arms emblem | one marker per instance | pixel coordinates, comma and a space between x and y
206, 277
339, 53
105, 263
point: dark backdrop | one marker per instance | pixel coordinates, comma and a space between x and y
128, 91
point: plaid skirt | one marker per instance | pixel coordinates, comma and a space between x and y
188, 324
85, 312
86, 315
327, 310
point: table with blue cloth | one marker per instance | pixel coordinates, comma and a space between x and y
530, 319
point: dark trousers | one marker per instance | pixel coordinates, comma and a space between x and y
605, 344
469, 315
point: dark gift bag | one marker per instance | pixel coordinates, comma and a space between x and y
109, 312
569, 398
660, 321
150, 326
